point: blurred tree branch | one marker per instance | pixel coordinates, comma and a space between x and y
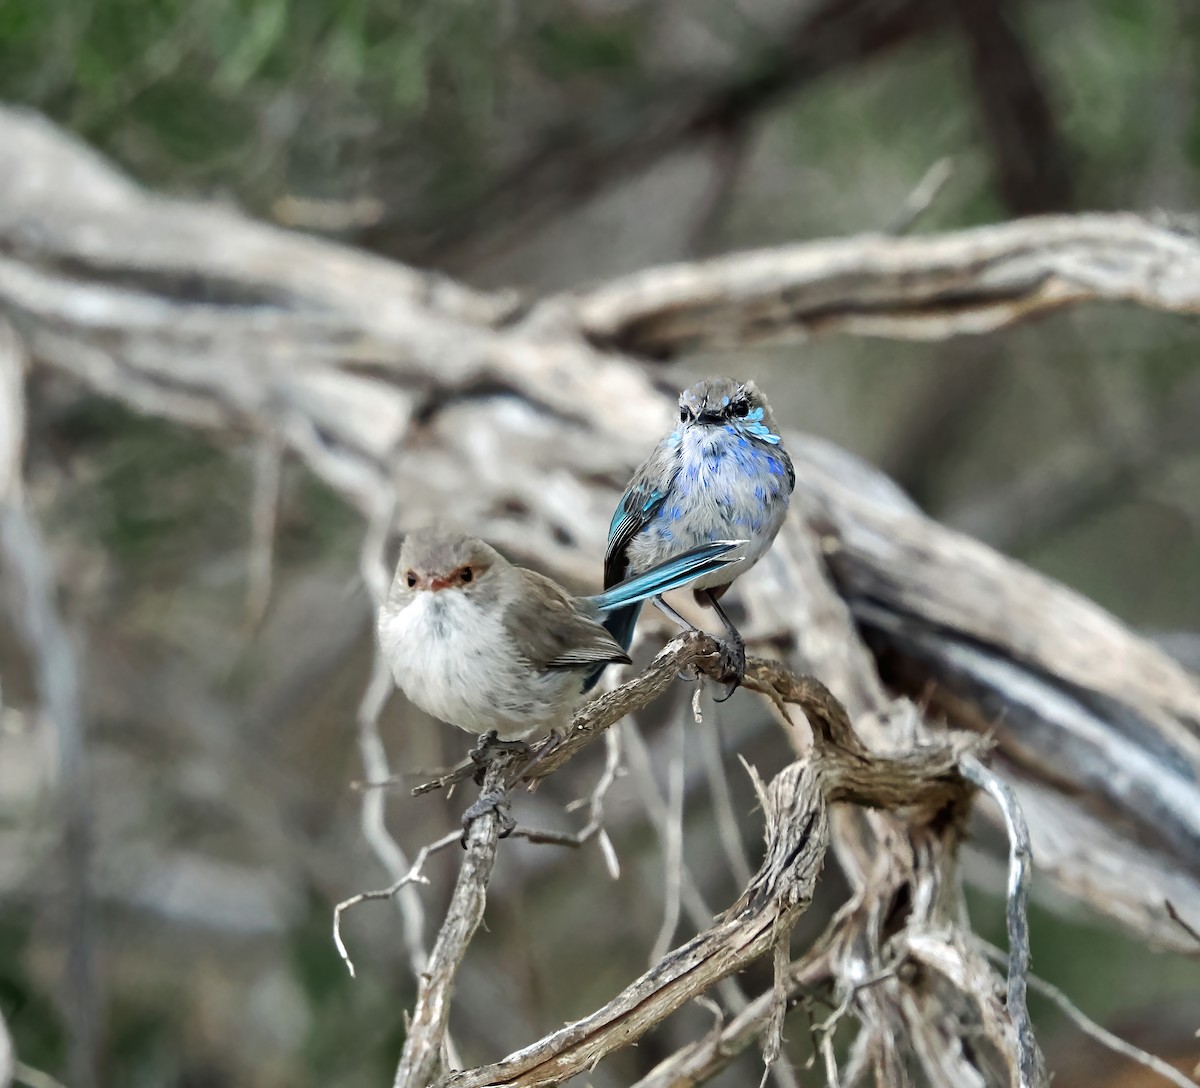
570, 166
57, 683
1029, 159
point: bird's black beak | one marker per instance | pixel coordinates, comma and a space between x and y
708, 417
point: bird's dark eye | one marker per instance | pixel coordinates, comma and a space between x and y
684, 414
411, 579
740, 408
466, 574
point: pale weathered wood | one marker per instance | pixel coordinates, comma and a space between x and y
924, 287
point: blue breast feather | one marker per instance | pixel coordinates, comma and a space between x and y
734, 472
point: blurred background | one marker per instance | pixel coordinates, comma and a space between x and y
535, 145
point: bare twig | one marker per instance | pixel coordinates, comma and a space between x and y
422, 1054
702, 1060
1020, 863
264, 509
772, 1051
926, 191
56, 676
859, 1061
680, 887
1089, 1026
728, 830
671, 837
374, 813
1182, 922
415, 874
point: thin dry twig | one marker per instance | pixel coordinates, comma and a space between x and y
924, 193
680, 886
56, 678
859, 1062
728, 830
704, 1059
1089, 1026
772, 1051
423, 1044
264, 511
415, 874
671, 838
373, 819
1182, 922
1020, 866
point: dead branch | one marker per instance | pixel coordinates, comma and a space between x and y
415, 875
768, 910
426, 1035
927, 287
1102, 1035
1020, 863
56, 678
925, 780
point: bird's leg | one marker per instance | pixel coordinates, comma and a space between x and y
492, 801
486, 749
689, 674
488, 745
552, 741
733, 650
667, 610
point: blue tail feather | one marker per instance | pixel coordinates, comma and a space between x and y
622, 604
667, 575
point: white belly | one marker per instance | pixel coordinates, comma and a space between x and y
456, 661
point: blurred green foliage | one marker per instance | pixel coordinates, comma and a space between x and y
267, 97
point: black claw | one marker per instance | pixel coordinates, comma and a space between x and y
733, 667
493, 801
487, 746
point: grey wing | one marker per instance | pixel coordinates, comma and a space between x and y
551, 631
791, 469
